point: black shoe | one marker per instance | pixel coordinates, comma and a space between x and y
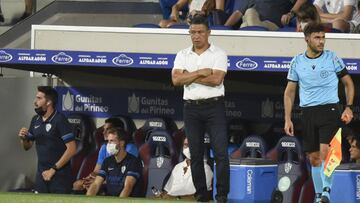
202, 198
324, 199
221, 199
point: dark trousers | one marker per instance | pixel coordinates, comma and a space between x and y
210, 118
60, 183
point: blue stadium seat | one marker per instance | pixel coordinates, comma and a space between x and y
292, 173
220, 27
179, 26
253, 147
159, 156
147, 25
254, 28
287, 29
83, 129
141, 134
333, 30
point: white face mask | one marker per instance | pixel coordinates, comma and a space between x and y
186, 152
111, 149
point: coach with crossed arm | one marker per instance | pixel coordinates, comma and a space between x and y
201, 69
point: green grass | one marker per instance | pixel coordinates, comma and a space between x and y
14, 197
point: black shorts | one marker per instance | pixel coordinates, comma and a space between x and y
320, 123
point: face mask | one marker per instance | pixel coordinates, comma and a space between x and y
111, 149
186, 152
39, 111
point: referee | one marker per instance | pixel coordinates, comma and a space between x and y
318, 71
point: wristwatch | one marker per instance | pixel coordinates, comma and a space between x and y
292, 14
55, 167
350, 106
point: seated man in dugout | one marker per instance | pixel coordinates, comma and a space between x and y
180, 184
82, 185
121, 170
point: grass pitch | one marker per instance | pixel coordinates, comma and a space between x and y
13, 197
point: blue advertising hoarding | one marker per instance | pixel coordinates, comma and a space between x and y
142, 60
142, 104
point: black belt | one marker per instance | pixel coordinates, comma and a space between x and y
204, 101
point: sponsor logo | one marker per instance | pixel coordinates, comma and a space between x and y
62, 58
133, 104
159, 139
252, 144
351, 66
288, 144
28, 57
122, 60
155, 124
5, 57
284, 184
151, 61
287, 167
249, 177
81, 103
68, 102
276, 65
159, 161
91, 59
74, 120
246, 64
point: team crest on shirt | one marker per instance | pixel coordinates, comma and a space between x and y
288, 167
324, 74
159, 161
48, 127
123, 168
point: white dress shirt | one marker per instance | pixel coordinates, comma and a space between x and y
214, 58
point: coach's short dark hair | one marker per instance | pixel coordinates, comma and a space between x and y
50, 94
313, 27
199, 18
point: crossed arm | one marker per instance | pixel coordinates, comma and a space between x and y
206, 76
345, 14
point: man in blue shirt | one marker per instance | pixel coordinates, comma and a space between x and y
121, 170
318, 71
55, 143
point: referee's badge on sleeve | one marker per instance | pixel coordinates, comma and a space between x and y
48, 127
